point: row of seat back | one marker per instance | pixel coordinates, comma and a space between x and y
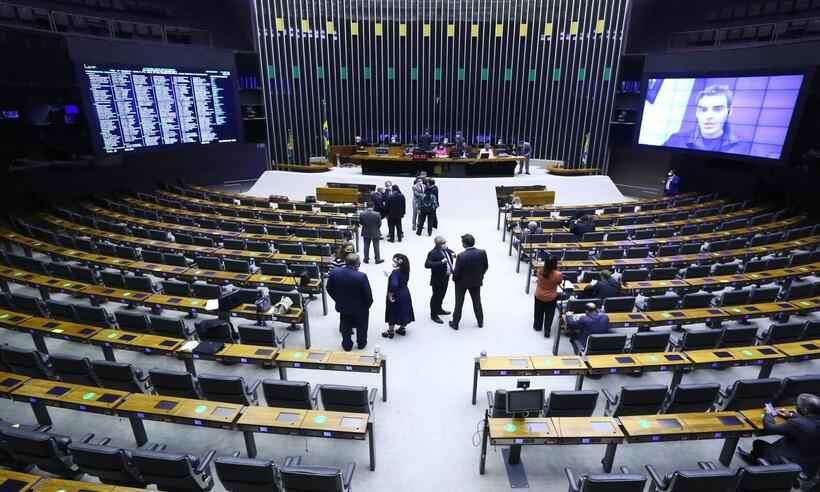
78, 313
257, 475
739, 336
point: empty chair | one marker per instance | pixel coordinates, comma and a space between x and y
737, 336
231, 226
697, 271
592, 236
140, 283
121, 376
170, 327
26, 362
112, 465
133, 320
619, 304
798, 289
796, 385
176, 288
127, 252
231, 389
238, 244
643, 342
691, 398
697, 339
259, 246
62, 270
562, 237
571, 404
47, 451
753, 266
608, 343
697, 300
663, 274
606, 482
29, 304
812, 331
172, 471
610, 254
782, 333
662, 303
639, 234
115, 280
317, 478
734, 298
93, 315
798, 259
779, 262
287, 394
669, 250
637, 275
238, 266
257, 335
290, 248
61, 310
616, 235
73, 369
247, 475
174, 259
748, 394
274, 269
209, 263
637, 252
181, 384
337, 398
719, 246
717, 480
761, 295
207, 291
152, 256
690, 248
770, 478
635, 400
725, 268
255, 229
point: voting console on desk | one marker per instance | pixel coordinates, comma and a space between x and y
805, 350
536, 365
180, 410
635, 363
531, 431
73, 396
324, 359
685, 427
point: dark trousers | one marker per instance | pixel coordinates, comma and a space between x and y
434, 219
544, 313
394, 226
347, 322
428, 217
439, 290
475, 296
367, 242
522, 163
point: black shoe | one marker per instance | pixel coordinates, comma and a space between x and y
445, 313
401, 331
361, 347
546, 334
455, 327
390, 240
347, 349
481, 324
379, 261
418, 233
746, 456
366, 260
536, 328
436, 319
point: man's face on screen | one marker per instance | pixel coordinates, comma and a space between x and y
711, 113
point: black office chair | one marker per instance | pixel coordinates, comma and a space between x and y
697, 300
616, 235
290, 248
317, 249
47, 451
589, 276
133, 320
174, 472
115, 280
62, 270
737, 336
798, 289
121, 376
635, 400
697, 271
607, 343
606, 482
127, 252
691, 398
250, 475
778, 262
255, 229
812, 331
152, 256
258, 335
61, 310
753, 266
794, 386
571, 404
317, 478
29, 305
610, 254
734, 298
112, 465
579, 305
663, 274
697, 339
259, 246
239, 266
176, 288
231, 389
141, 283
73, 369
175, 259
26, 362
719, 480
645, 342
93, 315
575, 255
637, 275
670, 249
274, 269
769, 478
782, 333
170, 327
725, 269
637, 252
209, 263
760, 295
287, 394
236, 244
337, 398
624, 304
207, 291
181, 384
748, 394
662, 303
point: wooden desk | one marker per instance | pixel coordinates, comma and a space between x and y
41, 392
755, 417
59, 485
764, 356
653, 285
17, 482
685, 316
806, 305
110, 339
524, 365
619, 320
803, 350
39, 328
529, 431
332, 361
11, 318
674, 362
10, 382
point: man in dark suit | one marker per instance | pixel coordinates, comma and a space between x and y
590, 323
582, 225
395, 206
524, 151
801, 435
468, 275
377, 197
371, 222
350, 289
606, 287
440, 262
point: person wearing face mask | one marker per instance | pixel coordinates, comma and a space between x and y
801, 435
672, 185
440, 261
399, 309
350, 290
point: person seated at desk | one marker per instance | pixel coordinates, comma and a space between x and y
801, 437
532, 228
608, 286
580, 327
487, 151
582, 225
441, 151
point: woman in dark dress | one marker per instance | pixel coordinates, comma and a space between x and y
399, 309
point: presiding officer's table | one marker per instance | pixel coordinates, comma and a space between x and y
458, 167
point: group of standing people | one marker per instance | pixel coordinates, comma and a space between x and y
425, 205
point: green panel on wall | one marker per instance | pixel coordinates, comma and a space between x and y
531, 75
414, 73
460, 75
437, 73
485, 73
507, 74
367, 72
391, 73
582, 74
556, 73
271, 72
343, 72
607, 73
296, 70
320, 72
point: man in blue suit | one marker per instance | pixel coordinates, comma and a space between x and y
590, 323
350, 289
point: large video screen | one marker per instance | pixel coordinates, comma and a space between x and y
138, 107
747, 116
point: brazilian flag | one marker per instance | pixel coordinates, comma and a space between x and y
326, 138
291, 147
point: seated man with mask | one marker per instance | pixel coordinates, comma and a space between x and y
580, 327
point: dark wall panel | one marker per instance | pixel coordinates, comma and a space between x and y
537, 69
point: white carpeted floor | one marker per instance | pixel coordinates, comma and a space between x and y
426, 433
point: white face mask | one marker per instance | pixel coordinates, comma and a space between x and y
395, 264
